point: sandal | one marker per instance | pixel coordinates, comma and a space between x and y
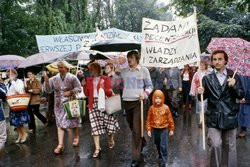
242, 134
97, 153
24, 139
59, 149
76, 142
18, 140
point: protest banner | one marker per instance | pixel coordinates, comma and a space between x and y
74, 42
169, 43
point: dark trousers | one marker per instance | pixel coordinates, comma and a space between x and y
133, 116
161, 142
243, 128
186, 85
34, 109
172, 95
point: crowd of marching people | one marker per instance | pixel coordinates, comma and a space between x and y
225, 104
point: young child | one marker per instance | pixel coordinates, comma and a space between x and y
160, 120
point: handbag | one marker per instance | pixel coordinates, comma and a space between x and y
75, 108
113, 104
18, 102
81, 95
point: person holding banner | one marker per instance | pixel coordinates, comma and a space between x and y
20, 118
63, 85
221, 90
137, 87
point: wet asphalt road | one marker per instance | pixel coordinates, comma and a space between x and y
185, 148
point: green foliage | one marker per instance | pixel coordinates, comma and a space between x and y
242, 5
15, 28
129, 13
209, 28
21, 20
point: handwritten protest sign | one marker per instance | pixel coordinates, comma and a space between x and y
169, 43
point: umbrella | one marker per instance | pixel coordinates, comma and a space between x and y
41, 58
238, 51
10, 61
205, 57
85, 55
116, 58
53, 68
116, 45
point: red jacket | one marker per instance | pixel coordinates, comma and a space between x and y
89, 88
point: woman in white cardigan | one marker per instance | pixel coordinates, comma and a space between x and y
17, 119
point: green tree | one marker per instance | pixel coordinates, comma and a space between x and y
215, 19
21, 20
16, 28
129, 13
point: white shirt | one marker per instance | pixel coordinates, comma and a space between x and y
95, 83
15, 87
185, 77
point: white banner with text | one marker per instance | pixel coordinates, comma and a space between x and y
74, 42
169, 43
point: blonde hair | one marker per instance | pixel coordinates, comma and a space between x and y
13, 71
65, 64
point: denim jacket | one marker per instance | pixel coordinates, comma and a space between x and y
3, 92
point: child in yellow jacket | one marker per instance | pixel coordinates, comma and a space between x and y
160, 122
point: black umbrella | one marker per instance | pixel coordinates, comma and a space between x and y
85, 55
116, 45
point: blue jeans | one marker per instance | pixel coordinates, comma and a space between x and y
161, 142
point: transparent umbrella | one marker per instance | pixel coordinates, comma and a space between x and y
10, 61
41, 58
